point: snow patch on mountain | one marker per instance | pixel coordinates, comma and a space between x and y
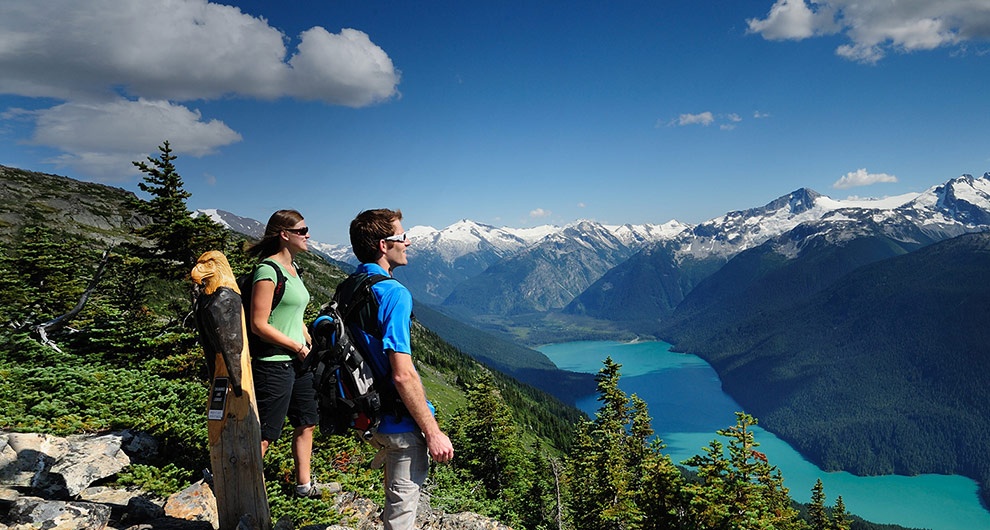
465, 237
884, 203
241, 225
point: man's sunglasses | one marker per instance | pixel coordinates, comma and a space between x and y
397, 237
300, 231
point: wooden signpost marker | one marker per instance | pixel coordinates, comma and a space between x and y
234, 429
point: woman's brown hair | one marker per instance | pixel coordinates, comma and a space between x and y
271, 242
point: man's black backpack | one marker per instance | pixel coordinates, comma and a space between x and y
351, 394
245, 283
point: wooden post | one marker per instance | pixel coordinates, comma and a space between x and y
233, 425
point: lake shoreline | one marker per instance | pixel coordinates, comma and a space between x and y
959, 495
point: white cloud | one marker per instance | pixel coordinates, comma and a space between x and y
861, 178
705, 118
539, 212
345, 68
130, 126
793, 19
580, 205
103, 138
122, 67
876, 26
180, 51
757, 114
733, 117
726, 126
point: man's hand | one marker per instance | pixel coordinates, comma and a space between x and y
440, 447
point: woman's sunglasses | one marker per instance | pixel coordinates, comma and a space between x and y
300, 231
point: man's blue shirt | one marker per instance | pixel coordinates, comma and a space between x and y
394, 315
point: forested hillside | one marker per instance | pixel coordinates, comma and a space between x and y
878, 370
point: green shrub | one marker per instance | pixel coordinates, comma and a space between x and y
163, 481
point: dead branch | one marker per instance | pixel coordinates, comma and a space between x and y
59, 322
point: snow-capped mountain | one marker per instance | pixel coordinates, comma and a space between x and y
467, 237
655, 281
550, 272
241, 225
440, 260
341, 253
736, 231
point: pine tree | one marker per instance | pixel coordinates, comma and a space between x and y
710, 495
660, 495
603, 490
178, 238
816, 510
840, 518
49, 272
539, 506
743, 490
491, 447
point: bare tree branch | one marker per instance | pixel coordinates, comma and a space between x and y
58, 323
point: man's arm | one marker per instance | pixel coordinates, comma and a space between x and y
410, 389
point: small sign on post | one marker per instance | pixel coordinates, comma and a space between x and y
232, 412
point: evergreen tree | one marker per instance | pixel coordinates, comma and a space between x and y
660, 495
710, 496
743, 490
604, 484
178, 238
45, 275
816, 509
540, 506
491, 448
840, 518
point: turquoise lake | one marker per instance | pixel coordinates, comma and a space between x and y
687, 405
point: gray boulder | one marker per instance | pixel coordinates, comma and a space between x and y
64, 467
58, 515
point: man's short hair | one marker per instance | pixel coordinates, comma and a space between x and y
370, 227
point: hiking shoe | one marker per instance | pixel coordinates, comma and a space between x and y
317, 489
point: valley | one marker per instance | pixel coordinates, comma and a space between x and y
800, 305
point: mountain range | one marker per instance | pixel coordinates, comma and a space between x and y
855, 329
634, 276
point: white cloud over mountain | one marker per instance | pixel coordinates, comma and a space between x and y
875, 27
861, 177
119, 60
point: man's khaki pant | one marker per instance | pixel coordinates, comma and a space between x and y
407, 464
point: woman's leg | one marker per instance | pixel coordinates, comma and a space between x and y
302, 451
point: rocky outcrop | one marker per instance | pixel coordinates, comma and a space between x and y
45, 482
84, 208
63, 467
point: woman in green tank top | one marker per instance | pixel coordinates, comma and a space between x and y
282, 388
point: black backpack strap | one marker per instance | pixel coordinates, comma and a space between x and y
279, 282
358, 300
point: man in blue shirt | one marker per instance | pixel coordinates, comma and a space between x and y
406, 442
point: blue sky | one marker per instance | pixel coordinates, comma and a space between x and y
506, 113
